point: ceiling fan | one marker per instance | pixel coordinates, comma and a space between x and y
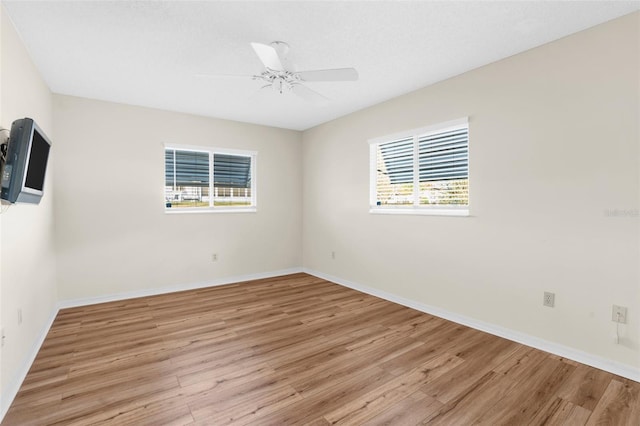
281, 76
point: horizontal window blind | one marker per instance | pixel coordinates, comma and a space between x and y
397, 160
444, 156
231, 171
186, 168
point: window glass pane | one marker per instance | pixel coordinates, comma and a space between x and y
444, 168
186, 179
394, 174
231, 180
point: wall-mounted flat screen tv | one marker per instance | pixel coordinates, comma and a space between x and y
25, 168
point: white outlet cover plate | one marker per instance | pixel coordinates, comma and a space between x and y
622, 318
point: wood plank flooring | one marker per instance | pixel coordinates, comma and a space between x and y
299, 350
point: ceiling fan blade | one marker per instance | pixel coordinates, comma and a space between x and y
339, 74
309, 95
224, 76
268, 55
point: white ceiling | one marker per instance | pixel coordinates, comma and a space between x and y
150, 53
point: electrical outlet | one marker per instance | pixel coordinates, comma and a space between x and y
333, 255
214, 257
19, 316
549, 299
619, 314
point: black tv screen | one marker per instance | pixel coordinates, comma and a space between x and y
37, 162
24, 171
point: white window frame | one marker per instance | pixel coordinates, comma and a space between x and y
211, 208
415, 208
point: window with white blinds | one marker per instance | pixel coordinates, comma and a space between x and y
201, 179
424, 171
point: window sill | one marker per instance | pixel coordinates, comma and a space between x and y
211, 210
420, 211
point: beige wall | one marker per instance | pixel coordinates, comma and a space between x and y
554, 146
112, 234
27, 261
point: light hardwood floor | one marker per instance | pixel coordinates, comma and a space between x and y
300, 350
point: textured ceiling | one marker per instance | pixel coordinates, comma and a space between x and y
150, 53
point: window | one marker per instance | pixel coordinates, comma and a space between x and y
204, 179
423, 171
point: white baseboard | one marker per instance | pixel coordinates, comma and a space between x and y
623, 370
72, 303
11, 390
